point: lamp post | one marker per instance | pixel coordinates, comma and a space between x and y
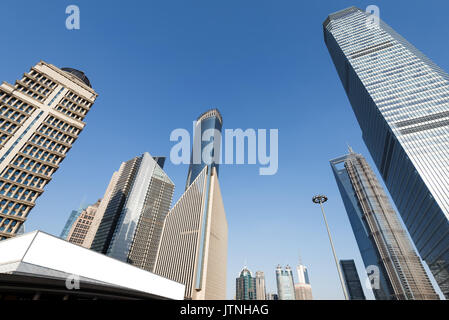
322, 199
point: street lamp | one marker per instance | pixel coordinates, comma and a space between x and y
322, 199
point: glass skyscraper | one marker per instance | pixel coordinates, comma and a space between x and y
401, 101
285, 283
194, 243
387, 252
69, 223
352, 280
209, 120
134, 211
245, 286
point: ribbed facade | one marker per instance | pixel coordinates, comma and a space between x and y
41, 116
148, 233
401, 101
90, 235
136, 203
261, 292
382, 240
193, 248
115, 205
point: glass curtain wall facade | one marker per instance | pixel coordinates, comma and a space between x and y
245, 286
285, 283
384, 245
132, 223
69, 223
352, 280
401, 101
209, 120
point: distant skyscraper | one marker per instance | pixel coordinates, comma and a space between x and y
209, 120
131, 225
69, 223
41, 117
352, 280
272, 296
303, 289
261, 293
80, 227
99, 214
285, 283
401, 101
245, 286
194, 243
382, 240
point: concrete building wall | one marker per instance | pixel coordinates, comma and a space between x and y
193, 248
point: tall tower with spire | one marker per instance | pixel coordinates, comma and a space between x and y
392, 264
303, 289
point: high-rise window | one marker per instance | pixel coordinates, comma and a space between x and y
401, 101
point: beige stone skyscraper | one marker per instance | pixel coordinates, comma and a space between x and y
41, 116
82, 225
261, 293
193, 248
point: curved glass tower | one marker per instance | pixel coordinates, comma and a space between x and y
207, 125
401, 101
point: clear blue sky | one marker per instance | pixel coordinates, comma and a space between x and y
158, 64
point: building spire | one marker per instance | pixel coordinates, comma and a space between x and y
350, 148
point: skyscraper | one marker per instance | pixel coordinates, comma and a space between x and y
99, 214
245, 286
352, 280
206, 122
69, 223
385, 248
303, 289
132, 222
261, 292
272, 296
193, 248
41, 117
285, 283
401, 101
121, 183
80, 227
